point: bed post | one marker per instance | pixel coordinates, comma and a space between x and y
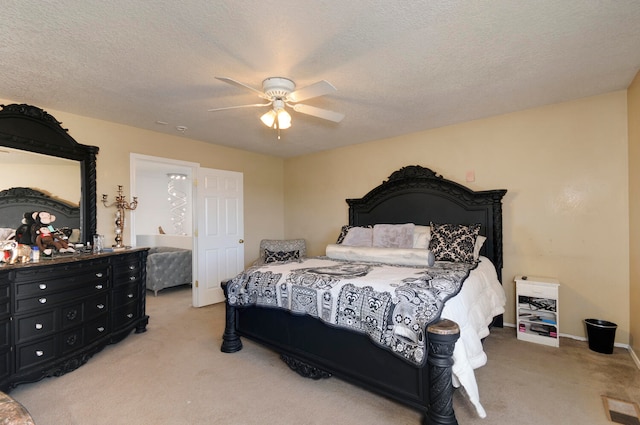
230, 340
442, 337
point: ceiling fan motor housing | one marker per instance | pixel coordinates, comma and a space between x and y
278, 87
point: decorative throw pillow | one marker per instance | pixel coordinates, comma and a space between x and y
343, 233
359, 236
275, 256
393, 235
453, 242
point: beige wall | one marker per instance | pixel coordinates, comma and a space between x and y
566, 213
263, 175
633, 101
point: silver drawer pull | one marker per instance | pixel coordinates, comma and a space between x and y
100, 306
39, 326
39, 353
132, 278
99, 286
42, 300
130, 295
99, 275
130, 315
131, 267
101, 329
43, 286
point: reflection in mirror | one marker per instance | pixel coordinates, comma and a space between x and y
29, 130
57, 177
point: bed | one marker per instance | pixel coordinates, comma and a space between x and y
317, 348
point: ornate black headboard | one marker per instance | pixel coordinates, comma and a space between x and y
415, 194
16, 201
32, 129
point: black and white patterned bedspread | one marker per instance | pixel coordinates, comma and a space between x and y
391, 304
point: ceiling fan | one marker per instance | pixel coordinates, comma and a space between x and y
281, 92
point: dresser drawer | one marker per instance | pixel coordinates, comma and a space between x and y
97, 329
98, 278
34, 353
5, 363
124, 316
5, 299
5, 335
125, 294
127, 270
36, 326
41, 301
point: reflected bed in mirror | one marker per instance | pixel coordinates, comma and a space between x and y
29, 129
17, 201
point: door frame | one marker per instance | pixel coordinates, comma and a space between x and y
135, 160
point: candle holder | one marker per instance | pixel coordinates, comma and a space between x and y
121, 206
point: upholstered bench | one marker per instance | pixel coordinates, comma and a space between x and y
167, 267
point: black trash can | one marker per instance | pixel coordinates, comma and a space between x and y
601, 335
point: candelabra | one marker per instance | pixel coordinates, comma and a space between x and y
121, 206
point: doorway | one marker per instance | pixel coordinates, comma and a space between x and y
183, 205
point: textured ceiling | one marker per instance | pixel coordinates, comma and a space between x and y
399, 66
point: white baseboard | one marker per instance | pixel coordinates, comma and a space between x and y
634, 357
632, 353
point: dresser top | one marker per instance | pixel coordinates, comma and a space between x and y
70, 258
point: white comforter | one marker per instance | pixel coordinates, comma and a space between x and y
480, 299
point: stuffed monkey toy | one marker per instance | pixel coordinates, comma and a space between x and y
46, 239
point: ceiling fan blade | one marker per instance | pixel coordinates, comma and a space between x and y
318, 112
242, 85
240, 106
314, 90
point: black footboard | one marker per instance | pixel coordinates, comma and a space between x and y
312, 345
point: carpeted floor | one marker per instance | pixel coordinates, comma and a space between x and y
175, 374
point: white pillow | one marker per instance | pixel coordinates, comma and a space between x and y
478, 246
359, 236
397, 256
421, 237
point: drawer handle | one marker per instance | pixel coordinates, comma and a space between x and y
101, 329
130, 315
39, 326
132, 278
130, 295
100, 306
39, 353
42, 300
43, 286
99, 286
99, 275
132, 267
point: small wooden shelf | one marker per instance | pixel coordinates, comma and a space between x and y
537, 313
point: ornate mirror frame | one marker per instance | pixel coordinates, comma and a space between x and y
32, 129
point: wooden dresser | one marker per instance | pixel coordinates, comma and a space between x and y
55, 314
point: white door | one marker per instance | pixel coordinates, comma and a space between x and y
219, 233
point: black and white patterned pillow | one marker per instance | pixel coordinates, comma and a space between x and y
453, 242
343, 233
275, 256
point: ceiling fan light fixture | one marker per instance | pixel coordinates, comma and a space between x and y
269, 118
284, 119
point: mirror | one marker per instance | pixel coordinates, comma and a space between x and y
27, 128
